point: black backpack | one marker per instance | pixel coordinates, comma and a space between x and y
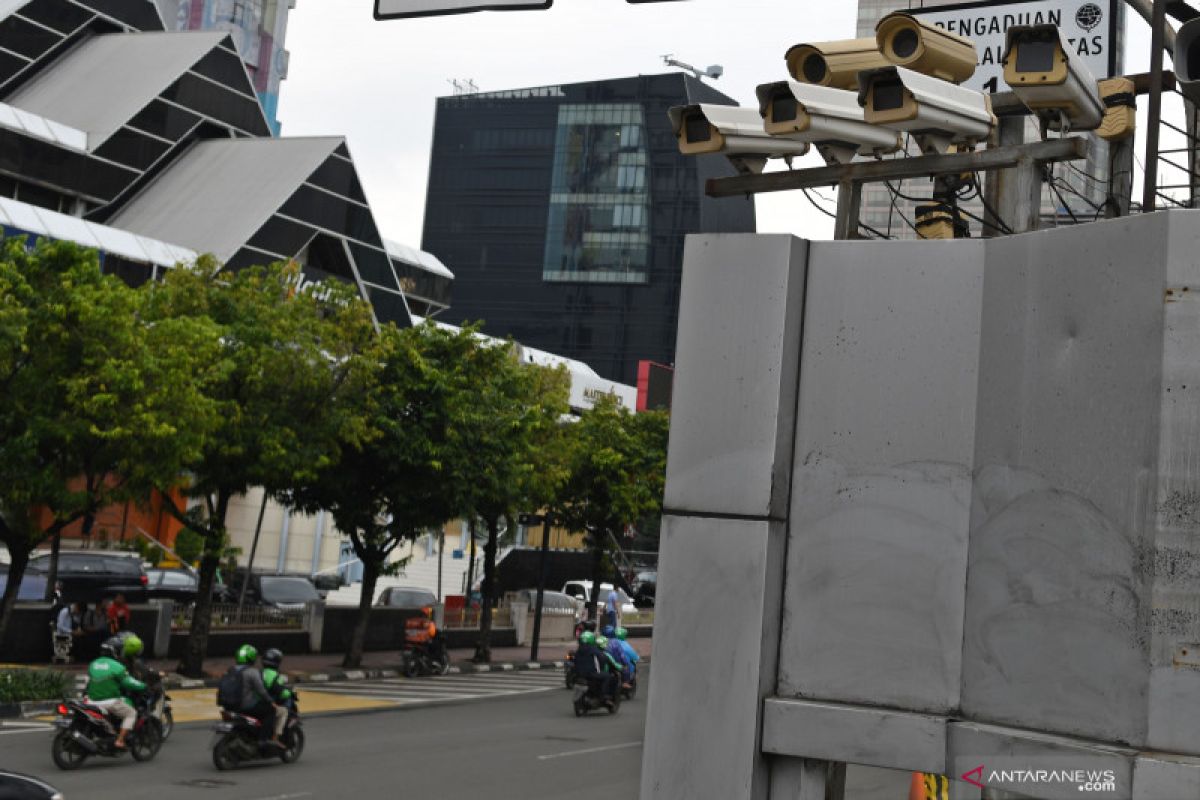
229, 690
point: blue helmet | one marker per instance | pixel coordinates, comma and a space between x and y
608, 631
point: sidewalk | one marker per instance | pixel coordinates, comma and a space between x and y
309, 667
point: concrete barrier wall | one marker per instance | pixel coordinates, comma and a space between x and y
28, 639
951, 486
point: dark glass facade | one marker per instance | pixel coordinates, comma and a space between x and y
563, 209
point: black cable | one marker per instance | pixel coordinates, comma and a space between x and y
1060, 183
1087, 175
869, 229
817, 206
984, 222
1058, 194
896, 194
1004, 227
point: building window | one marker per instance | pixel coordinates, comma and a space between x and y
598, 227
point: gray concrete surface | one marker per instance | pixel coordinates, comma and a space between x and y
741, 311
995, 506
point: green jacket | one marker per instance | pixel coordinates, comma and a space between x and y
108, 680
275, 685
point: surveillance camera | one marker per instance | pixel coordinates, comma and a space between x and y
733, 131
1050, 79
938, 114
906, 41
835, 64
829, 118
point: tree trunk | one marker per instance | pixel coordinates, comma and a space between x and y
192, 664
483, 650
52, 577
594, 595
19, 558
358, 641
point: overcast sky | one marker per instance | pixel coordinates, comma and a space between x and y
376, 82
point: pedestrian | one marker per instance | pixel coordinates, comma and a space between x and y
612, 609
118, 614
69, 621
95, 627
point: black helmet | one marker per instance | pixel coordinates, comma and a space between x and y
112, 647
272, 658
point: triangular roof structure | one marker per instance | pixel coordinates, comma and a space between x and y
219, 193
106, 80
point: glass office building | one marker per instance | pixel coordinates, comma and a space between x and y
564, 210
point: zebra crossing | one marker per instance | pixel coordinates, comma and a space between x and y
444, 688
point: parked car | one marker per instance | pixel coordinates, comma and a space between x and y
91, 575
31, 590
582, 590
406, 597
285, 592
177, 584
15, 786
645, 585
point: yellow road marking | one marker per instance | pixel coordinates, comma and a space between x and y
200, 705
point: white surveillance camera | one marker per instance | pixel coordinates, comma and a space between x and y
1051, 80
829, 118
734, 132
938, 114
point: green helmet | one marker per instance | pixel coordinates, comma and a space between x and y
602, 642
246, 654
587, 637
133, 646
622, 633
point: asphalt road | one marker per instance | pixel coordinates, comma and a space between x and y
527, 746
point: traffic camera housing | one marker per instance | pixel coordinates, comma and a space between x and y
906, 41
834, 64
831, 119
1187, 59
733, 131
938, 114
1052, 81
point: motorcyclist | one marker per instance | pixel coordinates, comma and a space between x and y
631, 655
421, 633
275, 682
256, 700
592, 665
276, 686
109, 685
617, 652
131, 648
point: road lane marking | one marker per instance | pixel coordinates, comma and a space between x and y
591, 750
11, 728
286, 796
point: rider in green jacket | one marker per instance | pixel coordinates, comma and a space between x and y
108, 686
275, 682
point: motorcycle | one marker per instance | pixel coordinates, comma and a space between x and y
419, 661
84, 730
588, 699
236, 739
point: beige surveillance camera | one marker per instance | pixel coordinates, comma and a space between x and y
835, 64
906, 41
938, 114
1051, 80
830, 119
734, 132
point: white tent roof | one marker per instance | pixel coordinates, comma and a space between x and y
53, 225
418, 258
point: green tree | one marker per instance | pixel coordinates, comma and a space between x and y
97, 405
392, 485
188, 546
617, 473
498, 440
285, 360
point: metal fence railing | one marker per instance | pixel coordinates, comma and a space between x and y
225, 616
